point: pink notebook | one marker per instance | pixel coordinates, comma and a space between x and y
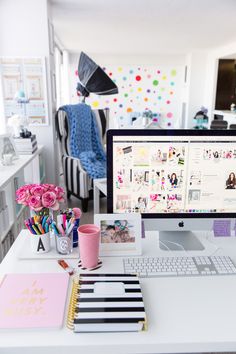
33, 300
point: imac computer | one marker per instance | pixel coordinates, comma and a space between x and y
179, 180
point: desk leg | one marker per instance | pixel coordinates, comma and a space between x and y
96, 199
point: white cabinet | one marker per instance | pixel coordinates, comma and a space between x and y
25, 169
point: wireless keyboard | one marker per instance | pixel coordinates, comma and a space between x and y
179, 266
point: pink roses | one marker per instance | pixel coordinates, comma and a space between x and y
39, 196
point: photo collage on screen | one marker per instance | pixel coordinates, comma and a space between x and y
174, 177
149, 177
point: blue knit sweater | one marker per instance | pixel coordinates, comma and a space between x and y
85, 142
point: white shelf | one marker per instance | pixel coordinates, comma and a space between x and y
9, 172
25, 169
5, 232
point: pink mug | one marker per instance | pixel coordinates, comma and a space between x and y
89, 240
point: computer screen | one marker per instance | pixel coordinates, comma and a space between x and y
182, 173
173, 178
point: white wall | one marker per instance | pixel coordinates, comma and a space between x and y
194, 93
150, 62
24, 33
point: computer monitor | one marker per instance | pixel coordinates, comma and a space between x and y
179, 180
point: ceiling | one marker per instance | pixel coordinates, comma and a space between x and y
143, 26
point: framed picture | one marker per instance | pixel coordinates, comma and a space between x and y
7, 148
120, 234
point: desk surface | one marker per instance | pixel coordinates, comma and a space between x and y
184, 314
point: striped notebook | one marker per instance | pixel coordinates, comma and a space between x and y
106, 303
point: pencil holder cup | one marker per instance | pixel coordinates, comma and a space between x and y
64, 243
40, 243
89, 240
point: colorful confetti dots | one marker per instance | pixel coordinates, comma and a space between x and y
145, 99
124, 78
95, 104
158, 71
120, 69
110, 74
163, 77
149, 76
115, 99
169, 124
131, 71
172, 83
120, 105
140, 89
148, 91
159, 97
76, 73
169, 115
138, 78
171, 92
173, 72
155, 82
126, 95
168, 102
129, 109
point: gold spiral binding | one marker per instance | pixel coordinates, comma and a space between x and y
73, 303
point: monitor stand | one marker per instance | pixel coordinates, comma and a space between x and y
179, 240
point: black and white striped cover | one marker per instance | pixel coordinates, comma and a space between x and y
107, 311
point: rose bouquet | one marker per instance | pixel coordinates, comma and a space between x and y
40, 197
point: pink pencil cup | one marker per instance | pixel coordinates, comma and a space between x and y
89, 240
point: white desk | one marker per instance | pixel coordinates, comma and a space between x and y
184, 314
99, 184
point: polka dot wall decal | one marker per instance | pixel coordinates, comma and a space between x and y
169, 115
107, 101
173, 72
158, 71
169, 124
149, 76
124, 78
172, 83
168, 101
138, 78
120, 105
115, 99
129, 109
159, 97
155, 82
140, 89
120, 69
126, 95
171, 92
95, 104
148, 91
131, 71
163, 77
76, 73
145, 99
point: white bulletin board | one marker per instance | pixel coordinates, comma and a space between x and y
29, 75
